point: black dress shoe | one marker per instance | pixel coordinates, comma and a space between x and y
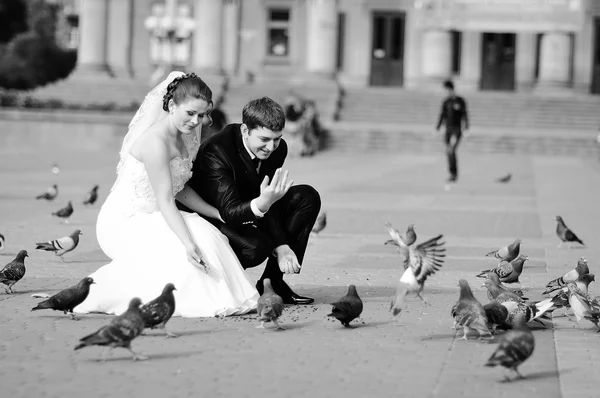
296, 299
286, 293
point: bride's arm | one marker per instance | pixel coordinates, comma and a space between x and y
193, 201
156, 160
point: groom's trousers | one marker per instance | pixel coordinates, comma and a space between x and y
297, 210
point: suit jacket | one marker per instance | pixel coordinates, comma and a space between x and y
224, 176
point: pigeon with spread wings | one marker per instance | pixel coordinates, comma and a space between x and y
419, 262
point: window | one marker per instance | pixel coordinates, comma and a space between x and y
456, 51
278, 28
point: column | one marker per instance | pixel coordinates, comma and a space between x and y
120, 34
525, 61
555, 55
93, 36
231, 36
321, 36
207, 44
436, 55
470, 61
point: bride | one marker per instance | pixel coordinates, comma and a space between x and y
152, 243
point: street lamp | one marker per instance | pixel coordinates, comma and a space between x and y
170, 27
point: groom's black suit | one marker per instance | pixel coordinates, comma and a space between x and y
225, 176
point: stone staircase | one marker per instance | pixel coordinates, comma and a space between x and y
237, 95
500, 110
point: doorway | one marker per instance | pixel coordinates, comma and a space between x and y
498, 61
387, 52
595, 89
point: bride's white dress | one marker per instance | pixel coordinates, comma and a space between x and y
146, 254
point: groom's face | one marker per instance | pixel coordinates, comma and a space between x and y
261, 141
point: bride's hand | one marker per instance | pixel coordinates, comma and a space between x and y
195, 257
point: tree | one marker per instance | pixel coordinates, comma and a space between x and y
13, 19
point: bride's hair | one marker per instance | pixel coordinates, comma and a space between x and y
185, 87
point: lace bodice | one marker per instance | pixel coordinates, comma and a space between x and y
134, 190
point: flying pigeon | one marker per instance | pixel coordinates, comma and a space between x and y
2, 240
505, 179
269, 306
65, 212
571, 276
92, 196
55, 169
507, 253
565, 234
409, 237
157, 312
67, 299
320, 223
50, 194
515, 347
507, 272
419, 262
347, 308
61, 246
13, 271
119, 332
468, 313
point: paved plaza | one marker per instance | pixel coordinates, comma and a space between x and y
416, 354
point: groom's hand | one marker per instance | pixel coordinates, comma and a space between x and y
271, 192
287, 260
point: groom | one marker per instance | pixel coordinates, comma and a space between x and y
239, 171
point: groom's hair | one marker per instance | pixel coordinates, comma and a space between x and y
263, 112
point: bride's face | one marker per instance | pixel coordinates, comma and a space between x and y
188, 115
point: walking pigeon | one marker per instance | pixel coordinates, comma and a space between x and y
65, 212
565, 234
269, 306
61, 246
468, 313
67, 299
50, 194
347, 308
92, 196
120, 332
13, 271
157, 312
515, 347
507, 253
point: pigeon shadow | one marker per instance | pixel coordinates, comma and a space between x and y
9, 254
538, 376
449, 336
128, 358
179, 334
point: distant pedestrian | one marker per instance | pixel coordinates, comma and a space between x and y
453, 114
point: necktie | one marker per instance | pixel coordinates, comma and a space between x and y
256, 163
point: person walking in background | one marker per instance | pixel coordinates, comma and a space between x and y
453, 113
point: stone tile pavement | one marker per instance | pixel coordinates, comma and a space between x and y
416, 354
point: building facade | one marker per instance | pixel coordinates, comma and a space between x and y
508, 45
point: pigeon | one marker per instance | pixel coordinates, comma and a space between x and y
157, 312
515, 306
571, 276
496, 279
409, 237
515, 347
496, 314
50, 194
62, 245
119, 332
65, 212
67, 299
92, 196
13, 271
565, 234
561, 297
507, 272
419, 262
494, 289
269, 306
469, 313
584, 305
507, 253
320, 223
347, 308
505, 179
2, 240
55, 169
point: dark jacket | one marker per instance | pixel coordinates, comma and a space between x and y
223, 174
454, 109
